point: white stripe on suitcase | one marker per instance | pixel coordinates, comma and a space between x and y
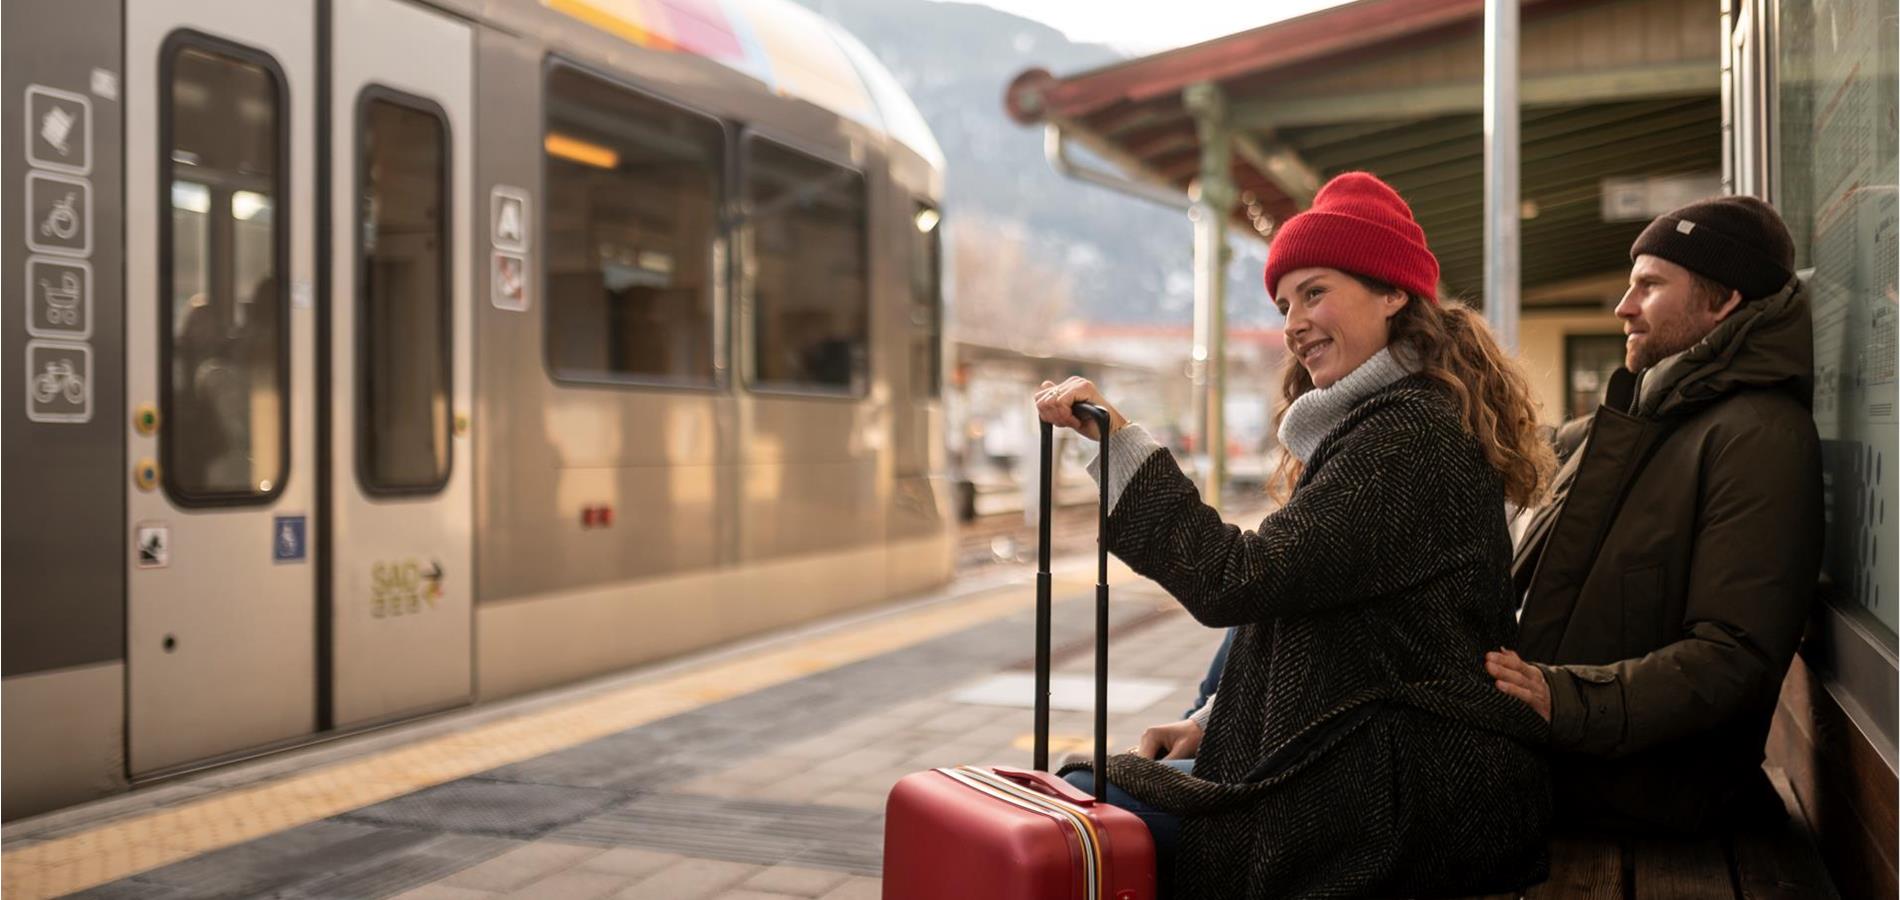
1016, 795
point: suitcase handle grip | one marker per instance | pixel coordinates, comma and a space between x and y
1044, 783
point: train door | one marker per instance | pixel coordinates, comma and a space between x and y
400, 385
220, 349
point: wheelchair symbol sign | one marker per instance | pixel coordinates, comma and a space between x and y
58, 214
287, 539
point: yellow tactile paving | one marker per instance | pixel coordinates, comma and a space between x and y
129, 846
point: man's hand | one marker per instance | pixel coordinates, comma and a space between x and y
1519, 679
1175, 740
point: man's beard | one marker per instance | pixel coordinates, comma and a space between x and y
1662, 341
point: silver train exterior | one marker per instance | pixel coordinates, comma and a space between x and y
384, 357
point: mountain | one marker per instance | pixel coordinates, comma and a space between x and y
1121, 259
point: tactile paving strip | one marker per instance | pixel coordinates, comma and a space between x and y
484, 806
319, 860
750, 831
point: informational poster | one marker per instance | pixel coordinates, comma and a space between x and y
1838, 169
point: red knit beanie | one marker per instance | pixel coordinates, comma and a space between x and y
1357, 224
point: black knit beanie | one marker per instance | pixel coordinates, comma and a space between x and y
1738, 242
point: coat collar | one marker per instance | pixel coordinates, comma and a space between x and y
1768, 343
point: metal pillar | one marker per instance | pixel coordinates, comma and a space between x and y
1213, 194
1502, 216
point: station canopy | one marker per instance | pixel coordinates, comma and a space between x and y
1621, 120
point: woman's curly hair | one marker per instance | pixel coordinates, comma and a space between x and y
1455, 348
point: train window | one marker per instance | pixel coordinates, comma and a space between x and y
926, 302
634, 190
810, 289
403, 305
225, 378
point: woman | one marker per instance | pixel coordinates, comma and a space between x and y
1356, 745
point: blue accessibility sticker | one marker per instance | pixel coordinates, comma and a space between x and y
288, 539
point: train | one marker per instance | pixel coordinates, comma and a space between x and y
384, 357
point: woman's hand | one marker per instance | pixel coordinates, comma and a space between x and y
1175, 740
1519, 679
1055, 404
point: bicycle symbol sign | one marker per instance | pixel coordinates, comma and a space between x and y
58, 382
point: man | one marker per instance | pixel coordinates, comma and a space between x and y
1666, 582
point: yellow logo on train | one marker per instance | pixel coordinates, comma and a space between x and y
404, 588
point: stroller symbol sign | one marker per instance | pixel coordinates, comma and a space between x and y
63, 298
59, 297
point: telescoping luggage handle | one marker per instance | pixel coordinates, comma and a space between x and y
1043, 586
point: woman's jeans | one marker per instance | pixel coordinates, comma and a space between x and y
1164, 826
1211, 682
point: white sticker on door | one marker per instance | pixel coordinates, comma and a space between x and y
508, 217
154, 544
510, 280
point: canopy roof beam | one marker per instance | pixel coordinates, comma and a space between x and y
1282, 165
1691, 79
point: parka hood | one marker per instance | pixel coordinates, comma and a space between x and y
1766, 344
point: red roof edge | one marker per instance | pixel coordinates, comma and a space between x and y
1036, 96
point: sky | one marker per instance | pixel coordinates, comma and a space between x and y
1136, 27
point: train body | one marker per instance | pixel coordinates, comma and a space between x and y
383, 357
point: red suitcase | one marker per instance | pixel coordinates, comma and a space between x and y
1000, 833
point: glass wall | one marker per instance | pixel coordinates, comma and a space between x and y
1834, 177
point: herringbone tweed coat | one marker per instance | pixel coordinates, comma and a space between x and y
1358, 748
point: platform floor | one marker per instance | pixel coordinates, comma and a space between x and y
753, 772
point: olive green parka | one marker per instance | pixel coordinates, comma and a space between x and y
1666, 584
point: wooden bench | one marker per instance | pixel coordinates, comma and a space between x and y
1783, 865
